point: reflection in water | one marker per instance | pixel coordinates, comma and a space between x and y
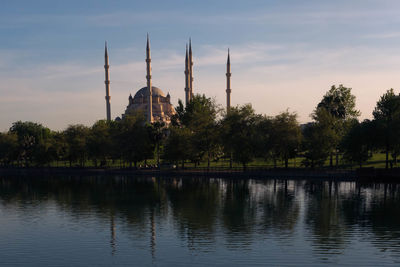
112, 230
324, 218
182, 220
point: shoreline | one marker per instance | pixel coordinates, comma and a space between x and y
358, 175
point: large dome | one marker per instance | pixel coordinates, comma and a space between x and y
143, 92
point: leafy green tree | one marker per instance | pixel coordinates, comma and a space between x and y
316, 145
34, 141
239, 134
45, 153
8, 148
178, 145
99, 142
358, 142
178, 118
286, 136
387, 117
200, 117
263, 141
133, 139
336, 111
76, 138
158, 133
59, 147
340, 103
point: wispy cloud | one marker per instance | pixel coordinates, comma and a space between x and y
385, 35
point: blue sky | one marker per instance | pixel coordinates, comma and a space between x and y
285, 54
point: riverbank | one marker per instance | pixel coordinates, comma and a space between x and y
368, 174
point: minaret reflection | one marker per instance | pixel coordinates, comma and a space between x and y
153, 234
113, 239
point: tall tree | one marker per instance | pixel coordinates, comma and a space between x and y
134, 139
99, 142
239, 134
286, 136
316, 145
340, 102
264, 138
59, 147
33, 142
76, 140
8, 148
358, 142
387, 117
200, 117
336, 111
178, 145
158, 132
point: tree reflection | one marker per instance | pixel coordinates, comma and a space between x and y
281, 210
323, 216
382, 215
131, 201
195, 203
240, 212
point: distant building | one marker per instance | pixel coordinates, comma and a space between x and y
162, 109
151, 100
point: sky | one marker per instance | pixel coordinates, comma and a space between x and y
285, 55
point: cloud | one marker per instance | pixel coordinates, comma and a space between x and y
386, 35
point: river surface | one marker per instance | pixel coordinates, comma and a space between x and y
103, 221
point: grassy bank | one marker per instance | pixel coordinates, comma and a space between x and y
376, 161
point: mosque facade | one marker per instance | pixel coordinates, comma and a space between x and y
151, 100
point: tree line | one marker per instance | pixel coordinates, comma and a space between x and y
201, 132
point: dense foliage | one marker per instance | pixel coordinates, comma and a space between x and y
202, 133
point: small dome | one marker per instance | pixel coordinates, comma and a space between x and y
143, 92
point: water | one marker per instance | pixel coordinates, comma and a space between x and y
103, 221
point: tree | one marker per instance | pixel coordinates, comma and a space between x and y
59, 146
76, 138
358, 142
387, 117
336, 111
178, 145
8, 148
340, 103
264, 133
134, 139
239, 135
200, 117
177, 118
158, 133
99, 142
316, 145
34, 141
286, 136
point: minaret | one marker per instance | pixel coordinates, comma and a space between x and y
228, 83
107, 83
190, 69
187, 78
149, 88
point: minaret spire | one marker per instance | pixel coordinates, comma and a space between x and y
190, 69
107, 82
228, 83
187, 78
149, 86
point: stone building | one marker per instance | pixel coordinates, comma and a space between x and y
162, 109
151, 100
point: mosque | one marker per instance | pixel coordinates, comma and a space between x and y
151, 100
